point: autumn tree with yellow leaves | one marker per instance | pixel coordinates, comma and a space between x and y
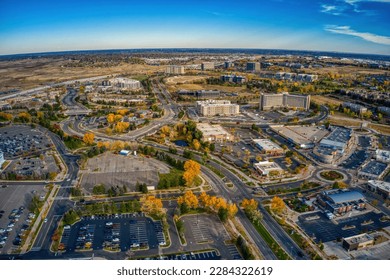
111, 118
121, 127
89, 138
191, 170
189, 199
277, 205
122, 112
151, 205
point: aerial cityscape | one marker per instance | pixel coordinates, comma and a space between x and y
188, 139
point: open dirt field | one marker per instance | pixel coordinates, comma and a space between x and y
117, 170
184, 79
30, 73
319, 99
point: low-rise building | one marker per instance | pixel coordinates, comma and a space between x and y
207, 66
268, 147
359, 109
373, 170
357, 242
233, 79
175, 69
210, 108
341, 201
339, 139
381, 187
214, 133
266, 168
126, 83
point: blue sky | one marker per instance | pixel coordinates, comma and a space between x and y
331, 25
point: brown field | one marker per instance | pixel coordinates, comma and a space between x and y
380, 128
184, 79
30, 73
322, 100
174, 88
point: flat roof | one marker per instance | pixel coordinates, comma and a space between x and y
301, 135
345, 196
380, 184
374, 167
338, 137
364, 237
267, 144
208, 129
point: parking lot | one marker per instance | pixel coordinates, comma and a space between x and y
324, 230
118, 232
204, 255
20, 139
15, 220
355, 160
203, 229
364, 142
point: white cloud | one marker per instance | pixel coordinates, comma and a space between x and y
352, 2
346, 30
330, 9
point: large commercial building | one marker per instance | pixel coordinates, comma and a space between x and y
200, 93
373, 170
253, 66
381, 187
207, 66
335, 144
126, 83
175, 69
359, 109
210, 108
280, 100
228, 64
264, 168
296, 77
268, 147
341, 201
214, 133
2, 160
304, 137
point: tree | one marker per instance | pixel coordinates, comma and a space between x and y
5, 116
223, 214
122, 112
196, 144
151, 205
277, 205
191, 170
232, 209
24, 117
89, 138
190, 199
121, 127
165, 130
111, 118
249, 205
288, 161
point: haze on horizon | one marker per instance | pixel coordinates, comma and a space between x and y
358, 26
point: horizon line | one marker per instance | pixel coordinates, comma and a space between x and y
188, 48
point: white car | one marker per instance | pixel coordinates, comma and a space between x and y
2, 230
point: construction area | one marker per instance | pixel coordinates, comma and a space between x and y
113, 170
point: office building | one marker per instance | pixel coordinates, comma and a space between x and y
214, 133
341, 201
207, 66
268, 147
280, 100
356, 108
381, 187
233, 79
339, 139
175, 69
384, 110
266, 168
228, 64
126, 83
210, 108
253, 66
